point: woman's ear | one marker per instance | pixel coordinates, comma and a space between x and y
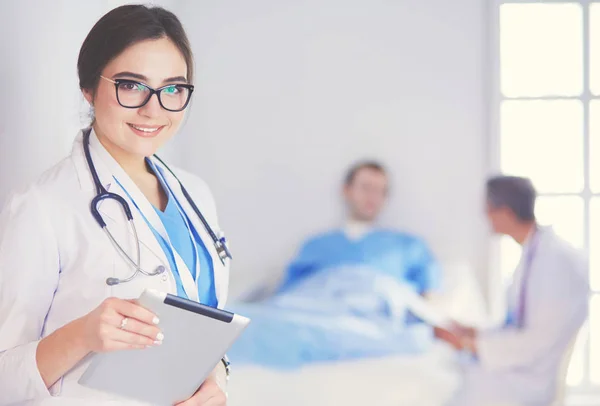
89, 96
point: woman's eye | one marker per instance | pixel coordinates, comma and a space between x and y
131, 87
171, 90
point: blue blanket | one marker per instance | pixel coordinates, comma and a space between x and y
338, 314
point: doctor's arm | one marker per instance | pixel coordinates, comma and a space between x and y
29, 276
29, 271
558, 306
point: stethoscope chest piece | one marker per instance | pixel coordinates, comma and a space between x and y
102, 194
159, 270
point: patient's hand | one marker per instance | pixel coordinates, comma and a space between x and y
448, 336
457, 335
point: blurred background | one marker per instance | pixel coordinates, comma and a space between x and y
290, 93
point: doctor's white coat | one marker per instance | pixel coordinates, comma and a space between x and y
55, 258
520, 367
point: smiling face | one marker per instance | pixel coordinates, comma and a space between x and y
135, 133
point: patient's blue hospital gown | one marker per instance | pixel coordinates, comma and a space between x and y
397, 254
341, 299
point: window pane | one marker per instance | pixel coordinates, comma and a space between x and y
595, 242
595, 145
594, 48
541, 49
543, 139
564, 214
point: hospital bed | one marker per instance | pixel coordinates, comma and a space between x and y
419, 378
423, 380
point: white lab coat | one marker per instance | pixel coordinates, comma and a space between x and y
520, 367
55, 258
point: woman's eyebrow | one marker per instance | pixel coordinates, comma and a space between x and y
175, 79
131, 75
145, 79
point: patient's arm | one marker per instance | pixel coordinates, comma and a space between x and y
424, 271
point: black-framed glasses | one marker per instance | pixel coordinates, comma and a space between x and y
132, 94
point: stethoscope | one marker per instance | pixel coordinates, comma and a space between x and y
103, 194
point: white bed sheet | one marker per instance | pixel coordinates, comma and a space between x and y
421, 380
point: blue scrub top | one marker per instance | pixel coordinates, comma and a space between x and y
182, 242
401, 255
178, 232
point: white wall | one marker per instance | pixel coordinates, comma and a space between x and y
41, 107
289, 93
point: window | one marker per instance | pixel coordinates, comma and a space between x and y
547, 127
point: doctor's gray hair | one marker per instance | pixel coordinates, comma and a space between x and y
515, 193
123, 27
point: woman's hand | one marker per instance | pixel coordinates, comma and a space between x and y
98, 331
209, 394
118, 324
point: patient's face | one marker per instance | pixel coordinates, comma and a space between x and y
367, 194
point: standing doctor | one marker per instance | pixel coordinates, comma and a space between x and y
64, 284
519, 362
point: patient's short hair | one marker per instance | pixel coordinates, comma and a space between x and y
373, 165
515, 193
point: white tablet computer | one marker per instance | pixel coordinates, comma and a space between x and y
196, 338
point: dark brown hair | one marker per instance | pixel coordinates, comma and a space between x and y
125, 26
373, 165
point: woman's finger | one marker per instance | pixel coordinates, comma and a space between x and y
217, 400
127, 337
147, 330
118, 346
134, 311
208, 392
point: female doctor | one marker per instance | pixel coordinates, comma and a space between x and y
65, 279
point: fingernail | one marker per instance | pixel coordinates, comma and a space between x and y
160, 336
157, 342
155, 320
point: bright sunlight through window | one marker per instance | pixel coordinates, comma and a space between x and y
549, 117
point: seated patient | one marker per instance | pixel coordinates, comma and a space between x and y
345, 296
360, 242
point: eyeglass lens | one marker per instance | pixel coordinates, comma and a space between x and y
132, 94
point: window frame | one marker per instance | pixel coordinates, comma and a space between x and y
495, 98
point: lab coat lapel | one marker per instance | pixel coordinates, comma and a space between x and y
220, 271
108, 169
